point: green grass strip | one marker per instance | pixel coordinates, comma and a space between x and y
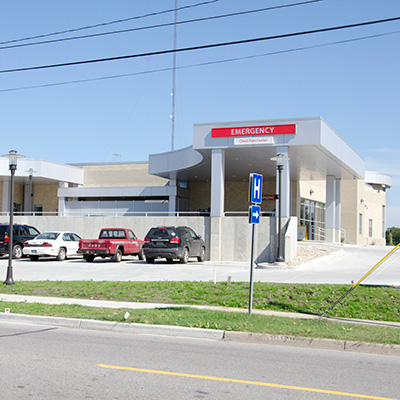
227, 321
365, 302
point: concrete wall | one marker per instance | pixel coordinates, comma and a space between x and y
362, 199
350, 210
227, 238
313, 190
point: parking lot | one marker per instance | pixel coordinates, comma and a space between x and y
346, 265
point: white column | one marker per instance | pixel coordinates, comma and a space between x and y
172, 198
338, 210
330, 208
285, 177
217, 182
62, 200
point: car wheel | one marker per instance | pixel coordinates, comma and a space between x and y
89, 258
17, 251
141, 255
185, 256
150, 260
62, 254
34, 258
202, 255
169, 260
117, 257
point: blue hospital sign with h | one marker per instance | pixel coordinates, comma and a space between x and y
256, 182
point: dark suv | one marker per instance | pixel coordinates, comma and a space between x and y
171, 242
21, 234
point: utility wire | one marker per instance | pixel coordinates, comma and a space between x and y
108, 23
92, 35
207, 46
198, 64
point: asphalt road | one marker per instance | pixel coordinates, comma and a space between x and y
346, 265
45, 362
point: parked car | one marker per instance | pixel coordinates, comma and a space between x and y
112, 243
173, 242
21, 233
52, 244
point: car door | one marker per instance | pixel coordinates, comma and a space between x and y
187, 239
196, 242
71, 242
134, 246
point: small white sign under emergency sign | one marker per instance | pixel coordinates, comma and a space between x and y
243, 141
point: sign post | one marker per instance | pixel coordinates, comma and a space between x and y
255, 197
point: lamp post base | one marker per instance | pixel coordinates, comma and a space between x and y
9, 279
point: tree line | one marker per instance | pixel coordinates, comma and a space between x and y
393, 236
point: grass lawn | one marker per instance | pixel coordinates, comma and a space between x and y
365, 302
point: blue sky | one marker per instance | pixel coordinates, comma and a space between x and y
353, 85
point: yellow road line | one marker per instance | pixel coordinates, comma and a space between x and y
214, 378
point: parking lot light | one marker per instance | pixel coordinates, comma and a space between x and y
12, 156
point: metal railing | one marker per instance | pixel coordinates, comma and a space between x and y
121, 213
345, 238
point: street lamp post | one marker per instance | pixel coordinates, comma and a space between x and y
279, 257
279, 166
12, 156
30, 171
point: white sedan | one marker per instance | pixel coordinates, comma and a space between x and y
52, 244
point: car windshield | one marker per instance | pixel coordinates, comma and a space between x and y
48, 236
162, 232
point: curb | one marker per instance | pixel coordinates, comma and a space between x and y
314, 343
211, 334
160, 330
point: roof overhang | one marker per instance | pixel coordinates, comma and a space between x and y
315, 151
44, 172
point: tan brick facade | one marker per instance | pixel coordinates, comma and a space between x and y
120, 175
46, 196
236, 196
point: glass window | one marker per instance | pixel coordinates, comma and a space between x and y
370, 228
312, 216
194, 236
32, 231
360, 224
38, 209
75, 237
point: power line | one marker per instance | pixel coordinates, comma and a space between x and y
108, 23
202, 47
199, 64
157, 25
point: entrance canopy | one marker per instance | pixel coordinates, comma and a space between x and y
314, 148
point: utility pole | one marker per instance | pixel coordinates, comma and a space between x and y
174, 79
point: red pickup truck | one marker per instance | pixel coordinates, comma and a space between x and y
112, 243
